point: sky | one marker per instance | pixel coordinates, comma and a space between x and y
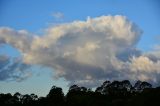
85, 42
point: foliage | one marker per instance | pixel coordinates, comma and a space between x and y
116, 93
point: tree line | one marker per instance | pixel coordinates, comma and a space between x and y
116, 93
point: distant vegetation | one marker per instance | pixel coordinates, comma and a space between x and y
116, 93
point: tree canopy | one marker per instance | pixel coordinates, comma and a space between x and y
116, 93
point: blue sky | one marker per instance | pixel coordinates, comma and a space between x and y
37, 15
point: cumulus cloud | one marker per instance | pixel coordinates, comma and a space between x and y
87, 52
19, 39
145, 69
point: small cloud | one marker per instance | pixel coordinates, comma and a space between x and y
58, 15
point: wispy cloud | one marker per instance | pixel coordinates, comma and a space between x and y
85, 52
13, 69
58, 15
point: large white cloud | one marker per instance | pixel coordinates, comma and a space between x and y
87, 52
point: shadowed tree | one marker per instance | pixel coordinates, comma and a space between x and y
104, 88
42, 101
74, 88
125, 84
55, 97
17, 98
116, 93
139, 86
79, 96
109, 87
